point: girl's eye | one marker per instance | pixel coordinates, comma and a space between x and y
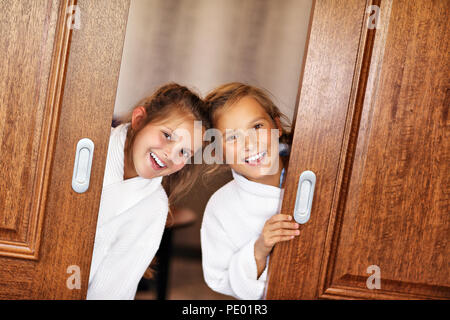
168, 136
231, 137
186, 154
258, 126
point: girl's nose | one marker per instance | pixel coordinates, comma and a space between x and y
167, 151
250, 142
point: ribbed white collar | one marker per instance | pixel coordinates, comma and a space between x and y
255, 188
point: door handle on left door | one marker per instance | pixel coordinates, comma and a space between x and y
305, 193
82, 166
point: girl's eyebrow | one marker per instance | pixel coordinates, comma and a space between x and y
168, 129
258, 119
251, 123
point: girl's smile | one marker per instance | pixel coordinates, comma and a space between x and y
256, 160
156, 162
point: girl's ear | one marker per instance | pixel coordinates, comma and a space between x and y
137, 116
279, 126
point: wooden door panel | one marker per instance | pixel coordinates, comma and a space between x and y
57, 86
396, 212
332, 51
25, 130
382, 192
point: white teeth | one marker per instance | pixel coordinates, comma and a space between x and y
256, 157
159, 162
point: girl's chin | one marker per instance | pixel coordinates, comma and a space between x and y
150, 173
254, 172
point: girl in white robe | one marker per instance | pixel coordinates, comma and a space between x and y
134, 206
241, 223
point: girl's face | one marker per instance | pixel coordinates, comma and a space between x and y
247, 139
163, 148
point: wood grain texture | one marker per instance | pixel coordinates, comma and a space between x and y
326, 87
79, 95
396, 213
27, 117
383, 167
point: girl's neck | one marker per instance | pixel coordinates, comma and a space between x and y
271, 180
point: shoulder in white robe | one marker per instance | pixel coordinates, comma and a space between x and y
233, 220
130, 225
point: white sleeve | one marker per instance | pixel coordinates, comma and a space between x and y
118, 274
227, 269
244, 272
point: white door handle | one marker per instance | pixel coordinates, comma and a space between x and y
82, 166
305, 193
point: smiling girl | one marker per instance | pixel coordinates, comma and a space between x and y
156, 142
241, 223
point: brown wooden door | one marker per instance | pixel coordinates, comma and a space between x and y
58, 77
373, 125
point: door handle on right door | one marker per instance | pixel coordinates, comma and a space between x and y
304, 198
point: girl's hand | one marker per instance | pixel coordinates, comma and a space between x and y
278, 228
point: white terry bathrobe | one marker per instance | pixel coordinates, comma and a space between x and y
130, 225
234, 218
